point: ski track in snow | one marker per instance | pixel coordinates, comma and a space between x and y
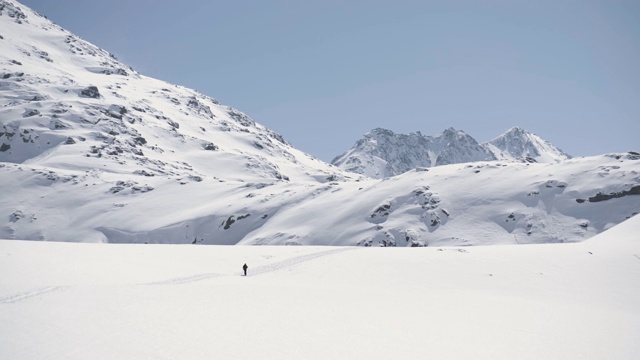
29, 294
260, 270
184, 279
294, 261
255, 271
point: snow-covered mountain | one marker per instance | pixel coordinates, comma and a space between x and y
92, 151
381, 153
68, 104
518, 144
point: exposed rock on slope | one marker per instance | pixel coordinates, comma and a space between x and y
62, 95
91, 150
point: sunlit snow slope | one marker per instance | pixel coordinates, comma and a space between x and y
92, 151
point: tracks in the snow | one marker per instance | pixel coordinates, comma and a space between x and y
253, 271
294, 261
259, 270
29, 294
184, 279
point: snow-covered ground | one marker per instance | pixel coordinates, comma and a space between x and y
132, 301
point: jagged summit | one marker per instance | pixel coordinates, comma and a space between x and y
455, 146
381, 153
378, 146
518, 144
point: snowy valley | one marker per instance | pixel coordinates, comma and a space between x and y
108, 301
98, 160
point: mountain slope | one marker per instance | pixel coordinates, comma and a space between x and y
92, 151
72, 114
65, 100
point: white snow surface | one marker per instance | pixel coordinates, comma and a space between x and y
135, 301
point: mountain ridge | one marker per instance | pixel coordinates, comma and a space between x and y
382, 153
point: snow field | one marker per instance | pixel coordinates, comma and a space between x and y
108, 301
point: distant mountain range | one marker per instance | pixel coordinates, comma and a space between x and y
381, 153
93, 151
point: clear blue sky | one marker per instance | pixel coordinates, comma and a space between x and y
323, 73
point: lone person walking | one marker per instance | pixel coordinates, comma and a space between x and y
245, 267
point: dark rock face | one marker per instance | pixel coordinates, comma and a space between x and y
635, 190
114, 71
139, 140
602, 197
240, 118
132, 186
632, 155
91, 91
143, 173
200, 108
116, 111
14, 12
227, 224
382, 210
210, 147
30, 113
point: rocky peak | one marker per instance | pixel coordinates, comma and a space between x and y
459, 147
518, 144
383, 153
